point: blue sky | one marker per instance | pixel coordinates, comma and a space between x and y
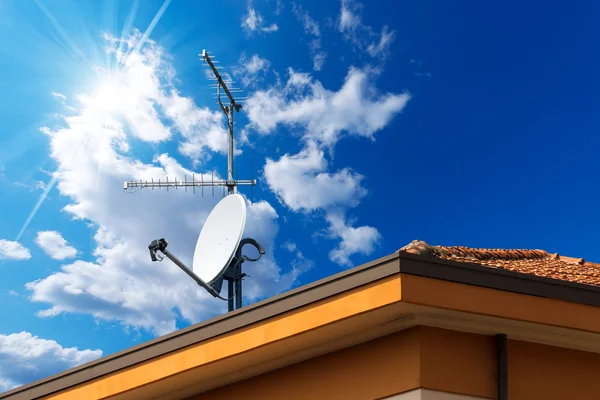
368, 126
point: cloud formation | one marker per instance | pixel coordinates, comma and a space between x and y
55, 245
363, 36
303, 181
250, 70
27, 358
360, 240
311, 27
10, 250
142, 85
356, 109
253, 21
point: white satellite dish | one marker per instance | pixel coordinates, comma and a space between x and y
218, 255
219, 238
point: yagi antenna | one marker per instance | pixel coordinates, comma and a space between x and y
224, 84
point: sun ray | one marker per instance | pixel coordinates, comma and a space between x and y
150, 28
76, 50
104, 99
37, 206
126, 30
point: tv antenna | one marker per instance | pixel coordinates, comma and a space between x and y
218, 255
221, 82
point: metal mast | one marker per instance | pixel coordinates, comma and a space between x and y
222, 80
228, 110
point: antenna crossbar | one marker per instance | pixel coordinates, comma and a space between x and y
136, 185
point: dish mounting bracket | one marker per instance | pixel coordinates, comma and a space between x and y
233, 272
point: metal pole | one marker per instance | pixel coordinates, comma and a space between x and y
230, 295
502, 364
238, 287
231, 188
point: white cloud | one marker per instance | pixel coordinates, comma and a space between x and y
350, 20
249, 71
63, 99
142, 86
55, 245
290, 246
26, 358
278, 7
10, 250
253, 21
60, 96
36, 185
202, 128
356, 108
318, 55
361, 35
360, 240
382, 48
310, 25
93, 156
301, 182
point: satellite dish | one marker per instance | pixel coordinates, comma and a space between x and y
219, 238
218, 255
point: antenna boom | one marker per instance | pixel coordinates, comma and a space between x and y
162, 185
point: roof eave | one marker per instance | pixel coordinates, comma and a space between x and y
398, 262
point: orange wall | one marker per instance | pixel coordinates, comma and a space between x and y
425, 357
431, 358
458, 362
371, 370
537, 371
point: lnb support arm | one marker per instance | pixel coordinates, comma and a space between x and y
254, 243
161, 245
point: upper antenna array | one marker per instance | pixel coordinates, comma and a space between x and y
223, 82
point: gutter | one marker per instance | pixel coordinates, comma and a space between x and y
502, 377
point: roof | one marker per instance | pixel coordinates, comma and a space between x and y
429, 276
532, 262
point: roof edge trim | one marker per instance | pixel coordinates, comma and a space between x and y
495, 278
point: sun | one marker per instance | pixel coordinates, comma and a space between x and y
112, 95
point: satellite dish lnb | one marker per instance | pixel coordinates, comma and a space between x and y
218, 254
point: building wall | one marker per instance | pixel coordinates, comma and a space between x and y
426, 363
368, 371
425, 357
458, 362
537, 371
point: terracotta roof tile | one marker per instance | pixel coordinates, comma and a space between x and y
534, 262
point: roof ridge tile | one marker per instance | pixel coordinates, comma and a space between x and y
533, 262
